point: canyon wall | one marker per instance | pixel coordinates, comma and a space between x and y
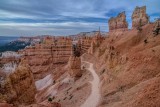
57, 50
85, 43
139, 17
90, 42
43, 58
96, 41
118, 22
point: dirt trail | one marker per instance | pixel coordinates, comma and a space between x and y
93, 99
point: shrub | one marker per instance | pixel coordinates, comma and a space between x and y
145, 41
50, 99
139, 28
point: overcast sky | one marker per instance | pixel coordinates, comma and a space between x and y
65, 17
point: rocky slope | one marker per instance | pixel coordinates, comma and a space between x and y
127, 63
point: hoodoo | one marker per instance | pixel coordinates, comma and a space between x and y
139, 17
118, 22
75, 62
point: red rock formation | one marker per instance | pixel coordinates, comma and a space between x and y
128, 68
75, 62
48, 40
96, 41
85, 43
75, 66
45, 57
139, 17
118, 22
19, 86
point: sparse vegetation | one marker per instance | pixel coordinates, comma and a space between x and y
50, 99
14, 46
102, 71
153, 50
145, 41
156, 30
139, 28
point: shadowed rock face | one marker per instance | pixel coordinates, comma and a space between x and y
139, 17
156, 29
118, 22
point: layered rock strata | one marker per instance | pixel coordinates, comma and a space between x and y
96, 41
85, 43
45, 57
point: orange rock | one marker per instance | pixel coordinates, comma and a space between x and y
118, 22
138, 15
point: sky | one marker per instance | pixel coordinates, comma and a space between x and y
65, 17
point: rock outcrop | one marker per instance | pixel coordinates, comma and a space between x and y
89, 43
96, 41
118, 22
75, 62
75, 66
18, 87
45, 57
139, 17
85, 43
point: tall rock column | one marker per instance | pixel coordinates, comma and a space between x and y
75, 62
139, 17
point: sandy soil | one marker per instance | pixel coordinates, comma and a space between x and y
43, 83
93, 99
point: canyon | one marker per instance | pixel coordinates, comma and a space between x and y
120, 69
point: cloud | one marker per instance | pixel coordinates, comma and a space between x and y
49, 28
63, 17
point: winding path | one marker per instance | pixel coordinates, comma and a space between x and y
93, 99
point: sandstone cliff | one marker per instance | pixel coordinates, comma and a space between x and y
45, 57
